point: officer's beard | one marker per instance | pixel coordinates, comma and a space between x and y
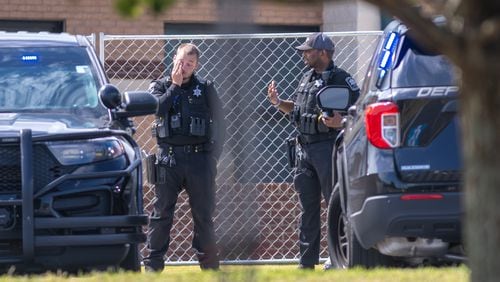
311, 64
307, 63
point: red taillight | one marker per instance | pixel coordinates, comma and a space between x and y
412, 197
382, 125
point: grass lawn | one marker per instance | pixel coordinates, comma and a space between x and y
285, 273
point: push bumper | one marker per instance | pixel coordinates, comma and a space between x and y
109, 230
90, 222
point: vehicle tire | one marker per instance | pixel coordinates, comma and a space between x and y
132, 261
359, 256
337, 236
343, 247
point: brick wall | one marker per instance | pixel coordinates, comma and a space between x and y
94, 16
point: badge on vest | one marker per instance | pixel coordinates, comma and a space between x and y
352, 83
197, 91
318, 83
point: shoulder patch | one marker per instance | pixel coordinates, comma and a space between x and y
351, 83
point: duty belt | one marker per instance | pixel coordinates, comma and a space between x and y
195, 148
313, 138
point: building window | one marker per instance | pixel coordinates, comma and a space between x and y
32, 26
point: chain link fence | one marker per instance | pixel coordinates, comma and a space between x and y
257, 213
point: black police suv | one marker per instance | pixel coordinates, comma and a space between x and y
70, 172
397, 163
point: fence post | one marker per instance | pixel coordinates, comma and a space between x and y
101, 47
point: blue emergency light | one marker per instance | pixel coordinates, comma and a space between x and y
386, 56
29, 58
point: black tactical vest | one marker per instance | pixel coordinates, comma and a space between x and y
189, 118
306, 111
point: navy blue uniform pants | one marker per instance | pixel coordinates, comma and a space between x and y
195, 172
313, 178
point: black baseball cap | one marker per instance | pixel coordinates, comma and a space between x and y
317, 41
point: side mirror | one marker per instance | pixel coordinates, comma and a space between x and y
130, 104
333, 98
139, 103
110, 96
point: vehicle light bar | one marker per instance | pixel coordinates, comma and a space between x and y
387, 56
29, 58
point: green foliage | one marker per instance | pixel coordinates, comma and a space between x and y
129, 8
157, 6
135, 8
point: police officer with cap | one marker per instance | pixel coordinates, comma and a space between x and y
189, 129
315, 141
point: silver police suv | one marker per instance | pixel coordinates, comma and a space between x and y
70, 172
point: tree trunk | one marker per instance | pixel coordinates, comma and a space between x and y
479, 108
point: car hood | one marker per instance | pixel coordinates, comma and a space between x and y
48, 123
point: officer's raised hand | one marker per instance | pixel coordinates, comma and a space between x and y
176, 75
334, 122
285, 106
272, 93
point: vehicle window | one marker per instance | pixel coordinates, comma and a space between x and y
48, 80
417, 67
